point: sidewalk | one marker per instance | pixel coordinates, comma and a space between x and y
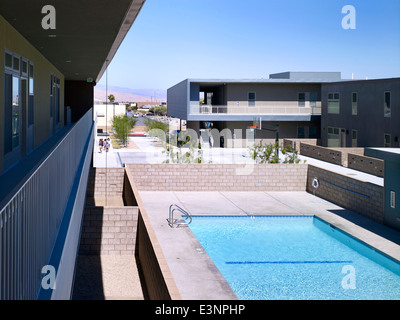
105, 159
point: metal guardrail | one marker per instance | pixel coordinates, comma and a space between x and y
30, 221
274, 108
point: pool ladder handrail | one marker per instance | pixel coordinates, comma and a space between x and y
186, 215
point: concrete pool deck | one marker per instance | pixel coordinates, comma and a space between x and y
195, 274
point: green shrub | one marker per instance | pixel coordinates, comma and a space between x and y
122, 125
269, 153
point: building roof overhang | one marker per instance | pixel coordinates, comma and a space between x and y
87, 35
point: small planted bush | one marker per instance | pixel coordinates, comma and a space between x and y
271, 153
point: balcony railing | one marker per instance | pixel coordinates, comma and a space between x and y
274, 108
31, 219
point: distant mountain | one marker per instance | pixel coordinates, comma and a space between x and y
129, 95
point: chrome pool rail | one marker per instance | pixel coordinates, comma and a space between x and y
184, 214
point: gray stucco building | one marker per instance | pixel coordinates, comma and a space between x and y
291, 100
342, 113
361, 113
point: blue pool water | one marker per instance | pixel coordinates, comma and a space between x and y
295, 258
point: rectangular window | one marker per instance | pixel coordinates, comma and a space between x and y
354, 138
16, 62
7, 113
24, 70
301, 98
252, 99
313, 99
333, 137
15, 112
386, 106
8, 60
354, 99
31, 96
387, 139
334, 103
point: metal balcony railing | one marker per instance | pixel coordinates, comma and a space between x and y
30, 220
273, 108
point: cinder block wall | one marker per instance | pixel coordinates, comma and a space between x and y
366, 164
363, 197
100, 184
109, 231
321, 153
219, 177
296, 142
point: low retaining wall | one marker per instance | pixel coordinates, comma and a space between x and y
158, 283
109, 231
295, 143
321, 153
155, 284
364, 198
219, 177
366, 164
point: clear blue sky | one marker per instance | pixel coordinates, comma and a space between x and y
172, 40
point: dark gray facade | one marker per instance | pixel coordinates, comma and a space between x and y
363, 118
392, 183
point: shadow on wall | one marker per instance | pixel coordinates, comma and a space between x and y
88, 284
369, 224
98, 236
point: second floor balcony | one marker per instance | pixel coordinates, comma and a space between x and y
273, 109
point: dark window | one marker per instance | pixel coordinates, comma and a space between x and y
252, 99
302, 99
386, 107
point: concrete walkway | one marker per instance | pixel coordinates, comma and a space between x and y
107, 277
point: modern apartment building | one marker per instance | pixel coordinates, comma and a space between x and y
289, 100
52, 58
362, 113
342, 113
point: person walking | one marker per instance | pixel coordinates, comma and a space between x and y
107, 145
101, 145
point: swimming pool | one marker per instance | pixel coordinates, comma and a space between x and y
297, 258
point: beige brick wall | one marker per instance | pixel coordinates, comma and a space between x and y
219, 177
109, 231
100, 184
366, 164
363, 197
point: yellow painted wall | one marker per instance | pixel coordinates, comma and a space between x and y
12, 40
